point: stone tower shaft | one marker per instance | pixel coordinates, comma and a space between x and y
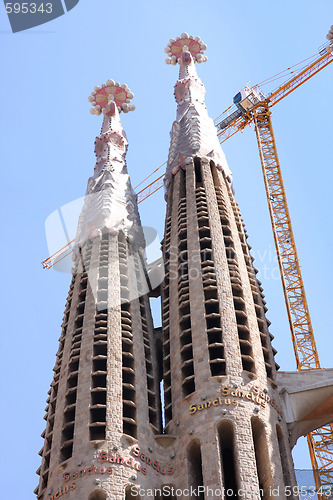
104, 399
220, 390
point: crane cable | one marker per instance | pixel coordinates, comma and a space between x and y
156, 169
273, 78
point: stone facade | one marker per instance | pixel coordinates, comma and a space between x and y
221, 396
224, 429
224, 406
104, 397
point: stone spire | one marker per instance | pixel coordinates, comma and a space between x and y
104, 409
193, 132
217, 348
110, 203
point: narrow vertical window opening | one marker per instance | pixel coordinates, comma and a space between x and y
128, 363
166, 493
185, 335
262, 458
227, 450
197, 170
97, 495
214, 175
128, 493
194, 464
283, 457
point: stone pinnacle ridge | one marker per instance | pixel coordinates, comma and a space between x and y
109, 203
193, 132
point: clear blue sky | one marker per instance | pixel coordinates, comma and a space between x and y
47, 136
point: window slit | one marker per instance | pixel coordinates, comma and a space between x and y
262, 458
194, 463
227, 453
67, 431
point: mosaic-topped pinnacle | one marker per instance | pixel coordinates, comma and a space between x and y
101, 98
193, 133
185, 43
110, 202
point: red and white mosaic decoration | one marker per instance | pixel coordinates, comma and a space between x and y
185, 43
111, 92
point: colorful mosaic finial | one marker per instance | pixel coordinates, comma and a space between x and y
185, 43
102, 96
193, 133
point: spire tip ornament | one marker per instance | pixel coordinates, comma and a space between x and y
102, 97
185, 43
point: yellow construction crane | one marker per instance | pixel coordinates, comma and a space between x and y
252, 106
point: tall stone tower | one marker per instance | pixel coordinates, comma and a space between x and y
225, 433
104, 398
220, 390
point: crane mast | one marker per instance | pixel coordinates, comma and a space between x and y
320, 441
293, 287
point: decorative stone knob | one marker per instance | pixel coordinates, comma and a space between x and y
102, 98
185, 43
